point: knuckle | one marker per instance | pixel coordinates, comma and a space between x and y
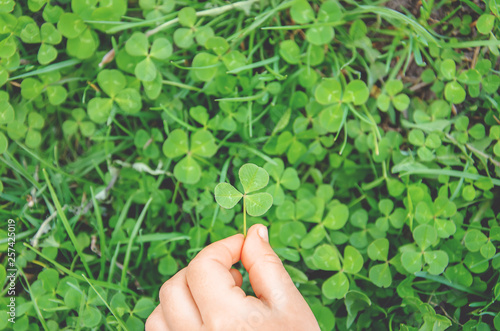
149, 323
152, 322
194, 267
166, 290
272, 258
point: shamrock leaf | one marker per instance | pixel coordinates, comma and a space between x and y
287, 178
177, 144
71, 126
329, 91
227, 196
252, 178
138, 46
317, 34
453, 91
326, 258
205, 64
113, 83
392, 95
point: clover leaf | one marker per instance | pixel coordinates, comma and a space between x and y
252, 178
329, 91
485, 23
184, 37
326, 257
476, 241
187, 170
153, 9
297, 211
82, 41
453, 91
413, 259
138, 45
392, 95
318, 34
205, 64
47, 35
146, 142
71, 126
287, 178
113, 83
380, 274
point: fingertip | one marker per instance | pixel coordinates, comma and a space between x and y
219, 249
259, 230
266, 272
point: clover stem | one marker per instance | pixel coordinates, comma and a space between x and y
244, 219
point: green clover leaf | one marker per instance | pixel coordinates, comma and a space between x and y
177, 144
113, 83
138, 45
287, 178
330, 91
302, 12
252, 178
71, 25
325, 257
227, 196
391, 94
485, 23
71, 126
336, 287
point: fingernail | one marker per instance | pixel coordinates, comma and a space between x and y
263, 233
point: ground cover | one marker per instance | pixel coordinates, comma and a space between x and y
366, 134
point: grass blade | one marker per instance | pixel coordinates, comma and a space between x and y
102, 238
65, 222
35, 303
75, 275
131, 241
107, 305
49, 68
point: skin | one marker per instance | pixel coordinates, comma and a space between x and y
207, 294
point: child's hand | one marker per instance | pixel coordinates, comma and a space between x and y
206, 295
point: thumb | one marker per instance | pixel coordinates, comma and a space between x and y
269, 279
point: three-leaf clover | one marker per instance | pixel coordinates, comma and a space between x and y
205, 64
203, 144
392, 94
138, 45
56, 93
329, 92
113, 83
380, 274
252, 178
287, 178
319, 33
412, 258
47, 35
82, 41
184, 37
326, 257
152, 9
71, 126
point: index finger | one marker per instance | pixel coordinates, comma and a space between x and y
212, 286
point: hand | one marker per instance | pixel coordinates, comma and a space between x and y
206, 295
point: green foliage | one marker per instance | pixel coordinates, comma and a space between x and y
367, 140
253, 178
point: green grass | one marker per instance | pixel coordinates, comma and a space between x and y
379, 128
